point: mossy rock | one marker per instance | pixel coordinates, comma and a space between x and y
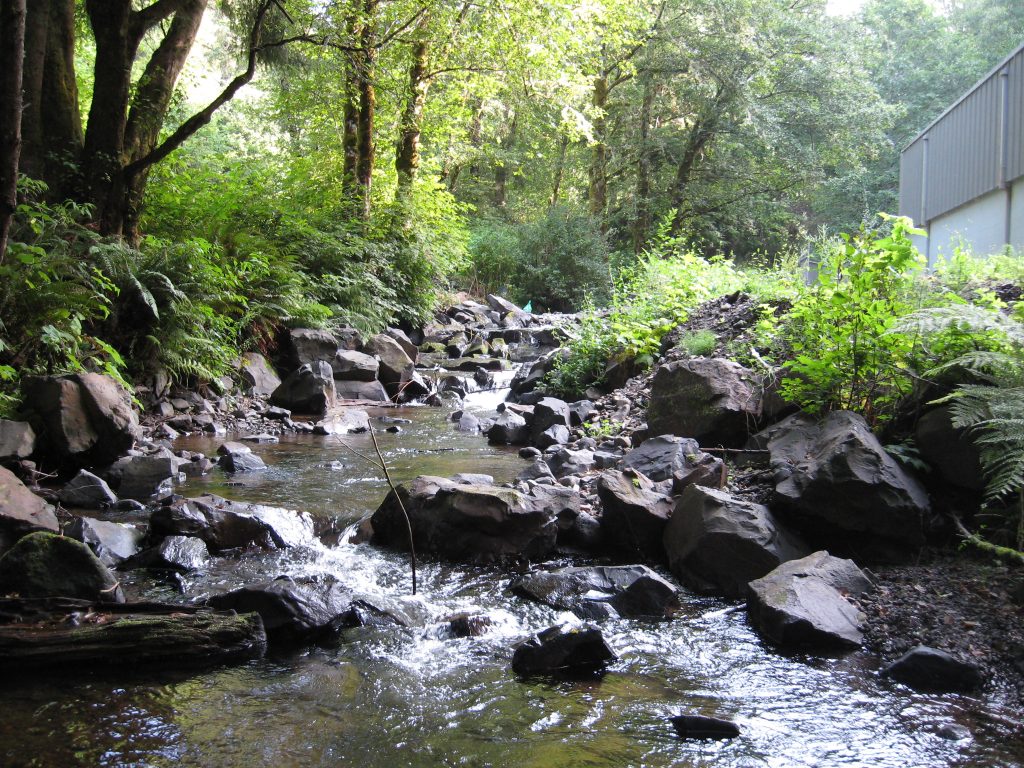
46, 565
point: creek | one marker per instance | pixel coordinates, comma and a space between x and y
394, 697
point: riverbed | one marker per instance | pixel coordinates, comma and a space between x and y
394, 697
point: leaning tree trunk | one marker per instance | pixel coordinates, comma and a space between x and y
12, 53
556, 185
367, 106
51, 124
407, 159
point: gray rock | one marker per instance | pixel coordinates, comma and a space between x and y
17, 439
43, 564
86, 491
508, 429
468, 423
634, 514
803, 603
579, 412
174, 553
143, 477
257, 374
396, 367
372, 391
564, 461
678, 459
241, 462
404, 342
472, 478
466, 523
563, 650
930, 669
224, 524
631, 591
344, 421
274, 413
349, 365
232, 446
717, 544
309, 389
308, 346
112, 543
538, 470
83, 417
292, 609
712, 400
262, 438
553, 435
837, 479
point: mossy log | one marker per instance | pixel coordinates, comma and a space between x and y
59, 632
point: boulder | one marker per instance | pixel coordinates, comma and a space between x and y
292, 609
565, 461
396, 367
949, 450
257, 374
717, 544
21, 511
372, 391
382, 611
678, 459
143, 477
17, 440
344, 421
631, 591
803, 603
704, 727
86, 417
509, 429
556, 434
466, 523
930, 669
224, 524
634, 515
86, 491
112, 543
241, 461
712, 400
579, 412
563, 650
549, 411
505, 307
349, 365
838, 480
174, 553
308, 346
404, 342
43, 564
468, 423
308, 389
411, 386
538, 470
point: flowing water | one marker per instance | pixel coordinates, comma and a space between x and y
413, 697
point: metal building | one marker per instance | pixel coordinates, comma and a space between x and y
962, 177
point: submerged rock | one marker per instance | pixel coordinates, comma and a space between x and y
629, 591
704, 727
563, 650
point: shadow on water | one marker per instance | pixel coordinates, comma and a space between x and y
411, 697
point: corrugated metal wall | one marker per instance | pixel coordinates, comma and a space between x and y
959, 157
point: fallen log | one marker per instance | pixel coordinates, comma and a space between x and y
58, 632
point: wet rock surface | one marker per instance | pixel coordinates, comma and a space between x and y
563, 650
632, 591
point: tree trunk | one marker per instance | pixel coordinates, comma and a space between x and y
597, 191
407, 159
642, 224
350, 127
367, 106
559, 172
12, 54
502, 166
51, 124
144, 635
